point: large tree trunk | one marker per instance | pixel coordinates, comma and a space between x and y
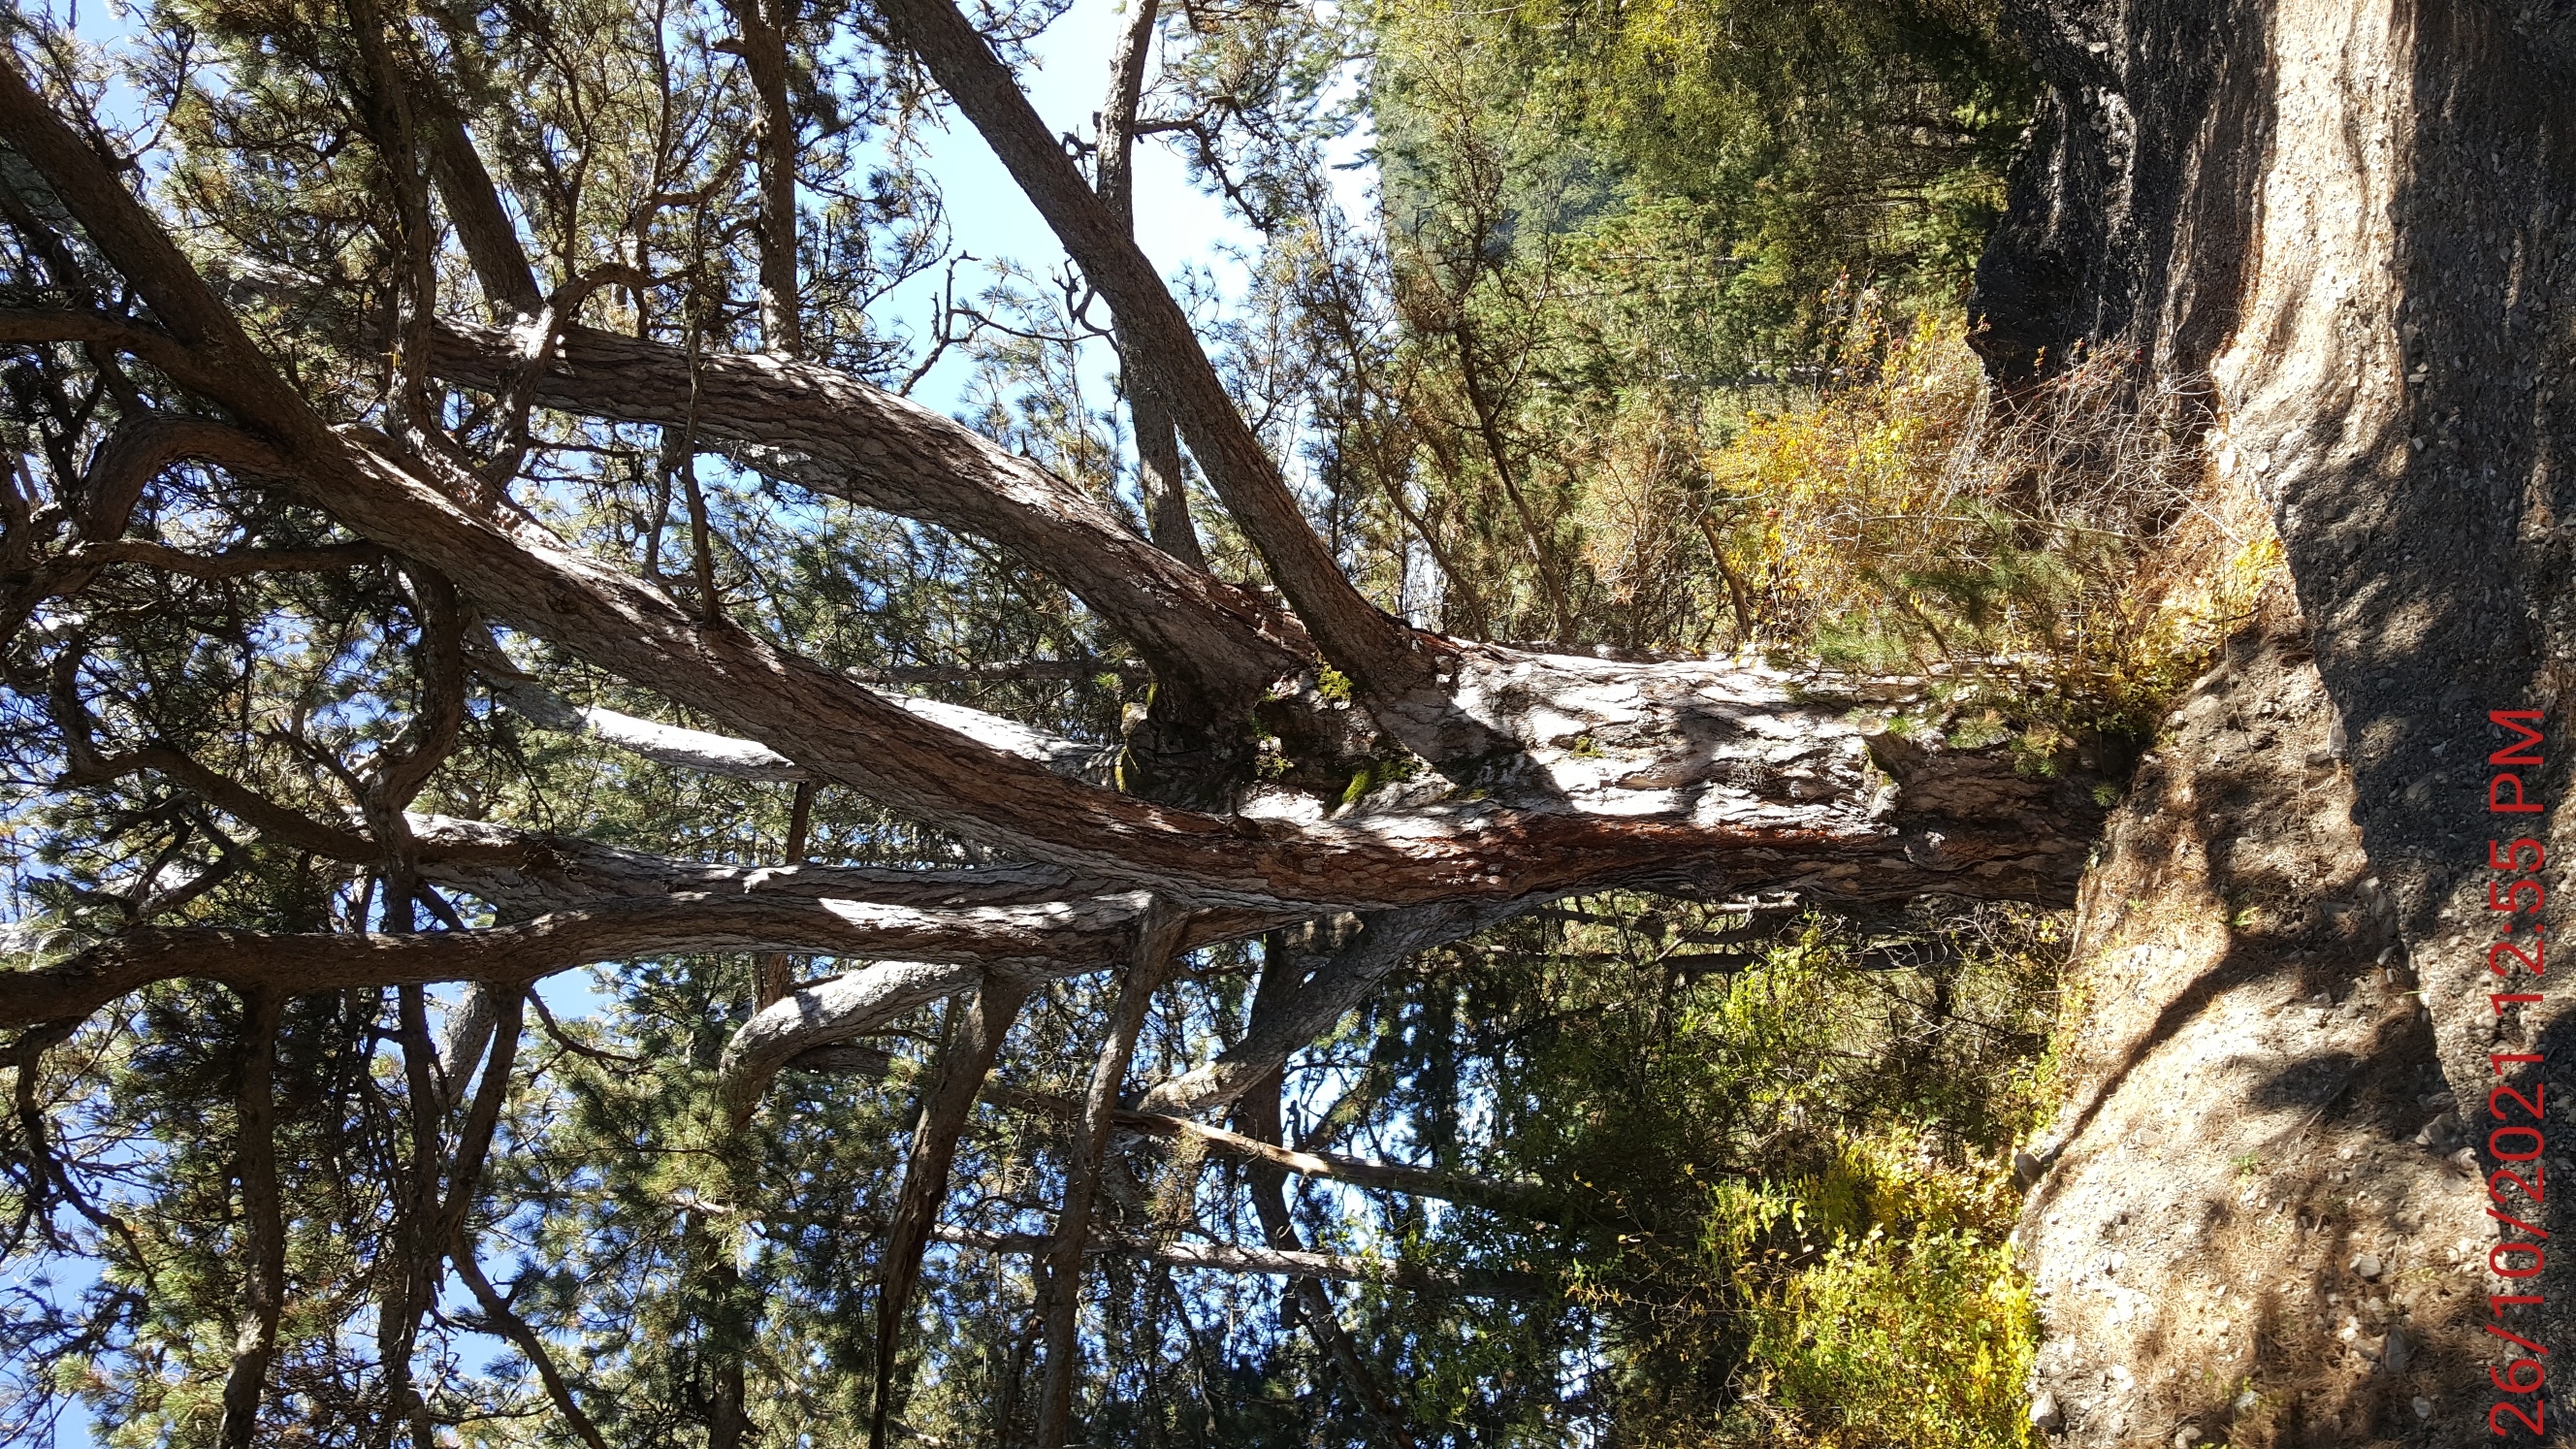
2354, 219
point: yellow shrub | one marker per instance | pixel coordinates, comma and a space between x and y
1923, 1342
2031, 547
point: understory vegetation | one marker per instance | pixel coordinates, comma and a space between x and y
1650, 346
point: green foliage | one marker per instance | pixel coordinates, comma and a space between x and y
1923, 1342
2059, 559
1614, 257
1610, 236
1769, 1167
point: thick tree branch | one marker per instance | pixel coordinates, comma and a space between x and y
1230, 1258
534, 872
740, 759
820, 429
964, 1067
491, 242
1033, 939
831, 1011
1387, 660
856, 1004
127, 461
1683, 822
1158, 939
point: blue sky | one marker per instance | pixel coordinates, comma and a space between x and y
1178, 226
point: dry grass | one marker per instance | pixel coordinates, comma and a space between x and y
2065, 550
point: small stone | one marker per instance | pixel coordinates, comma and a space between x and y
2185, 1437
2045, 1416
2026, 1171
2247, 1400
2423, 1408
2393, 1351
2366, 1267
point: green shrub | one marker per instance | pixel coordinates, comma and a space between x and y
1922, 1341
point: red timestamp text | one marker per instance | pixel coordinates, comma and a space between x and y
2517, 1187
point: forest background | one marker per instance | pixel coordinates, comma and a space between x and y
1636, 330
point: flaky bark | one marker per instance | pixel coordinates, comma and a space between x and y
534, 872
